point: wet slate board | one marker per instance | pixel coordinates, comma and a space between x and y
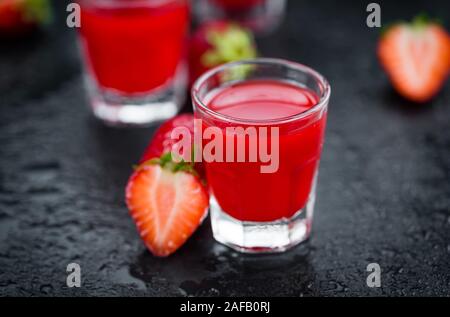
384, 190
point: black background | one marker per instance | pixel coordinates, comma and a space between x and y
383, 194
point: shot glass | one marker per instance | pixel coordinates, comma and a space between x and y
261, 16
134, 57
268, 117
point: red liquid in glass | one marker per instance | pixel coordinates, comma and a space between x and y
241, 189
135, 48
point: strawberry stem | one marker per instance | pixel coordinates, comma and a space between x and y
38, 11
420, 21
166, 161
235, 43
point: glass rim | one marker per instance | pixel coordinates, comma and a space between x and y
323, 98
124, 4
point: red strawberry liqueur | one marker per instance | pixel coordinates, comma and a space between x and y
134, 48
267, 197
254, 210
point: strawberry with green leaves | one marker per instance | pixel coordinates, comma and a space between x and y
238, 5
416, 57
217, 43
18, 17
167, 200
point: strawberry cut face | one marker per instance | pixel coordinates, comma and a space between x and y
417, 58
167, 207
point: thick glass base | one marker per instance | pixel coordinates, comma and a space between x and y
262, 237
118, 109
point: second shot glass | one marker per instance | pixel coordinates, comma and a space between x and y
271, 115
134, 56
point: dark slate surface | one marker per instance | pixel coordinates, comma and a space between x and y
384, 190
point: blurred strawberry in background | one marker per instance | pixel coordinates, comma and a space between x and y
416, 57
20, 17
216, 43
236, 5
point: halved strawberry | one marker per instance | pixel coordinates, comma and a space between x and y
416, 57
167, 202
216, 43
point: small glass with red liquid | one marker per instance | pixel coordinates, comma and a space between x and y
252, 210
134, 54
261, 16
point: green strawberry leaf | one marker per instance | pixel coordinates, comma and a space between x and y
233, 44
166, 162
38, 11
419, 22
227, 46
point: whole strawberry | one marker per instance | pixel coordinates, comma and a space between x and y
216, 43
416, 57
162, 143
237, 5
167, 200
18, 17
